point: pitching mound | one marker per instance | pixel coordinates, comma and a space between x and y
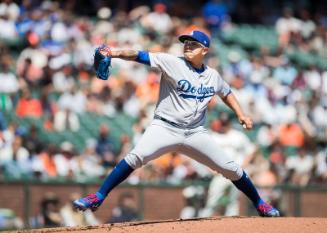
224, 225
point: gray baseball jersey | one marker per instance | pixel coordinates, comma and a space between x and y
185, 93
181, 109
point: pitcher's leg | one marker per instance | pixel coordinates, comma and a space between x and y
154, 142
202, 147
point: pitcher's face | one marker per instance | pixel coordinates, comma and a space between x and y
194, 50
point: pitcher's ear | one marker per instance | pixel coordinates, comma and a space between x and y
205, 51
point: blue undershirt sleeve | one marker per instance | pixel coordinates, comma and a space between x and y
143, 57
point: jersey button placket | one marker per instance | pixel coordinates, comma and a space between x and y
198, 80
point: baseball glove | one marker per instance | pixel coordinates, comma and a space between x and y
102, 61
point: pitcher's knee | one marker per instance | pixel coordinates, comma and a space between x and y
232, 171
134, 160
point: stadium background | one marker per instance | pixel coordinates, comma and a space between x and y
62, 129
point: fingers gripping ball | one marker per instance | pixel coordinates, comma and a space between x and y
102, 61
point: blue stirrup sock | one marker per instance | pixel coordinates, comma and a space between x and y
117, 175
246, 186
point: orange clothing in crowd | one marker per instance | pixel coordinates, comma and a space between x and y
291, 135
193, 27
149, 91
49, 164
168, 160
29, 108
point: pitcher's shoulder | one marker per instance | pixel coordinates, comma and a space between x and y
213, 71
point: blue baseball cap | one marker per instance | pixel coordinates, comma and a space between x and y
198, 36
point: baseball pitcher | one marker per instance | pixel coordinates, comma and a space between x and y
186, 87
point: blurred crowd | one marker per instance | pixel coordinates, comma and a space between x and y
46, 58
53, 211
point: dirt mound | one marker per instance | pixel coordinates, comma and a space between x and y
223, 225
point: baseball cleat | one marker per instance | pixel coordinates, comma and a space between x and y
266, 210
91, 201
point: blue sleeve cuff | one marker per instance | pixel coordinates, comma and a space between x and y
143, 57
229, 92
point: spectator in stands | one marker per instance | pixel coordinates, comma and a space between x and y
10, 9
194, 197
319, 116
125, 211
313, 78
28, 106
321, 163
318, 42
126, 146
90, 163
49, 107
46, 79
103, 26
9, 82
65, 119
94, 104
308, 26
158, 20
9, 220
256, 108
28, 72
233, 68
73, 100
63, 80
132, 104
108, 107
44, 164
8, 135
285, 74
267, 177
9, 12
299, 82
50, 210
32, 142
66, 162
259, 72
105, 146
3, 123
72, 218
287, 25
15, 160
266, 135
31, 61
183, 171
291, 135
324, 84
148, 91
215, 13
300, 167
167, 163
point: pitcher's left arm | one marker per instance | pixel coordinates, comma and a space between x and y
231, 101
